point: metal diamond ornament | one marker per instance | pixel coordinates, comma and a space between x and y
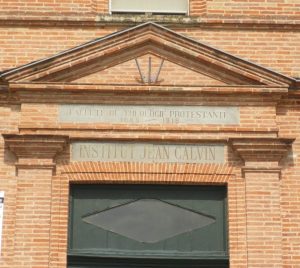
149, 220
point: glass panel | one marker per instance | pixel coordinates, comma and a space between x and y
149, 220
106, 239
154, 6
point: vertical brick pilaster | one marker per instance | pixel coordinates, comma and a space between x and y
59, 222
33, 218
35, 164
237, 223
262, 174
264, 230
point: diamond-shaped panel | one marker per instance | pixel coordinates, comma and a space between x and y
149, 220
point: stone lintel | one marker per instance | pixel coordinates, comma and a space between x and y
35, 151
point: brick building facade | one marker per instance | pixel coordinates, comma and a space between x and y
206, 101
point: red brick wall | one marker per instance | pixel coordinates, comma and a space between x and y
49, 7
197, 7
264, 216
288, 118
254, 8
228, 8
263, 208
33, 214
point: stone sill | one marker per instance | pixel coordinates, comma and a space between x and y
126, 20
181, 20
131, 19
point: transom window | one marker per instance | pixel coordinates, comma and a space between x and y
179, 7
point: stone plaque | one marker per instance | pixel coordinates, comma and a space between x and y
148, 114
147, 152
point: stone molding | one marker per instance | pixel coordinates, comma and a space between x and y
39, 151
256, 152
276, 91
261, 170
35, 151
261, 149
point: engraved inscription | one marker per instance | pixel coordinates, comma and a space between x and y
148, 114
147, 153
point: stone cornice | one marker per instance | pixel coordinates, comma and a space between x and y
72, 87
35, 151
261, 150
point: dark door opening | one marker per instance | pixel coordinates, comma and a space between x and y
147, 226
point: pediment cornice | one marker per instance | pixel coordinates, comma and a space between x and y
276, 91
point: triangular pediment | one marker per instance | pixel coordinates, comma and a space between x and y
117, 51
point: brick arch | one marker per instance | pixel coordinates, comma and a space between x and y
147, 173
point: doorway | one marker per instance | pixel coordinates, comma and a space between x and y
147, 226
